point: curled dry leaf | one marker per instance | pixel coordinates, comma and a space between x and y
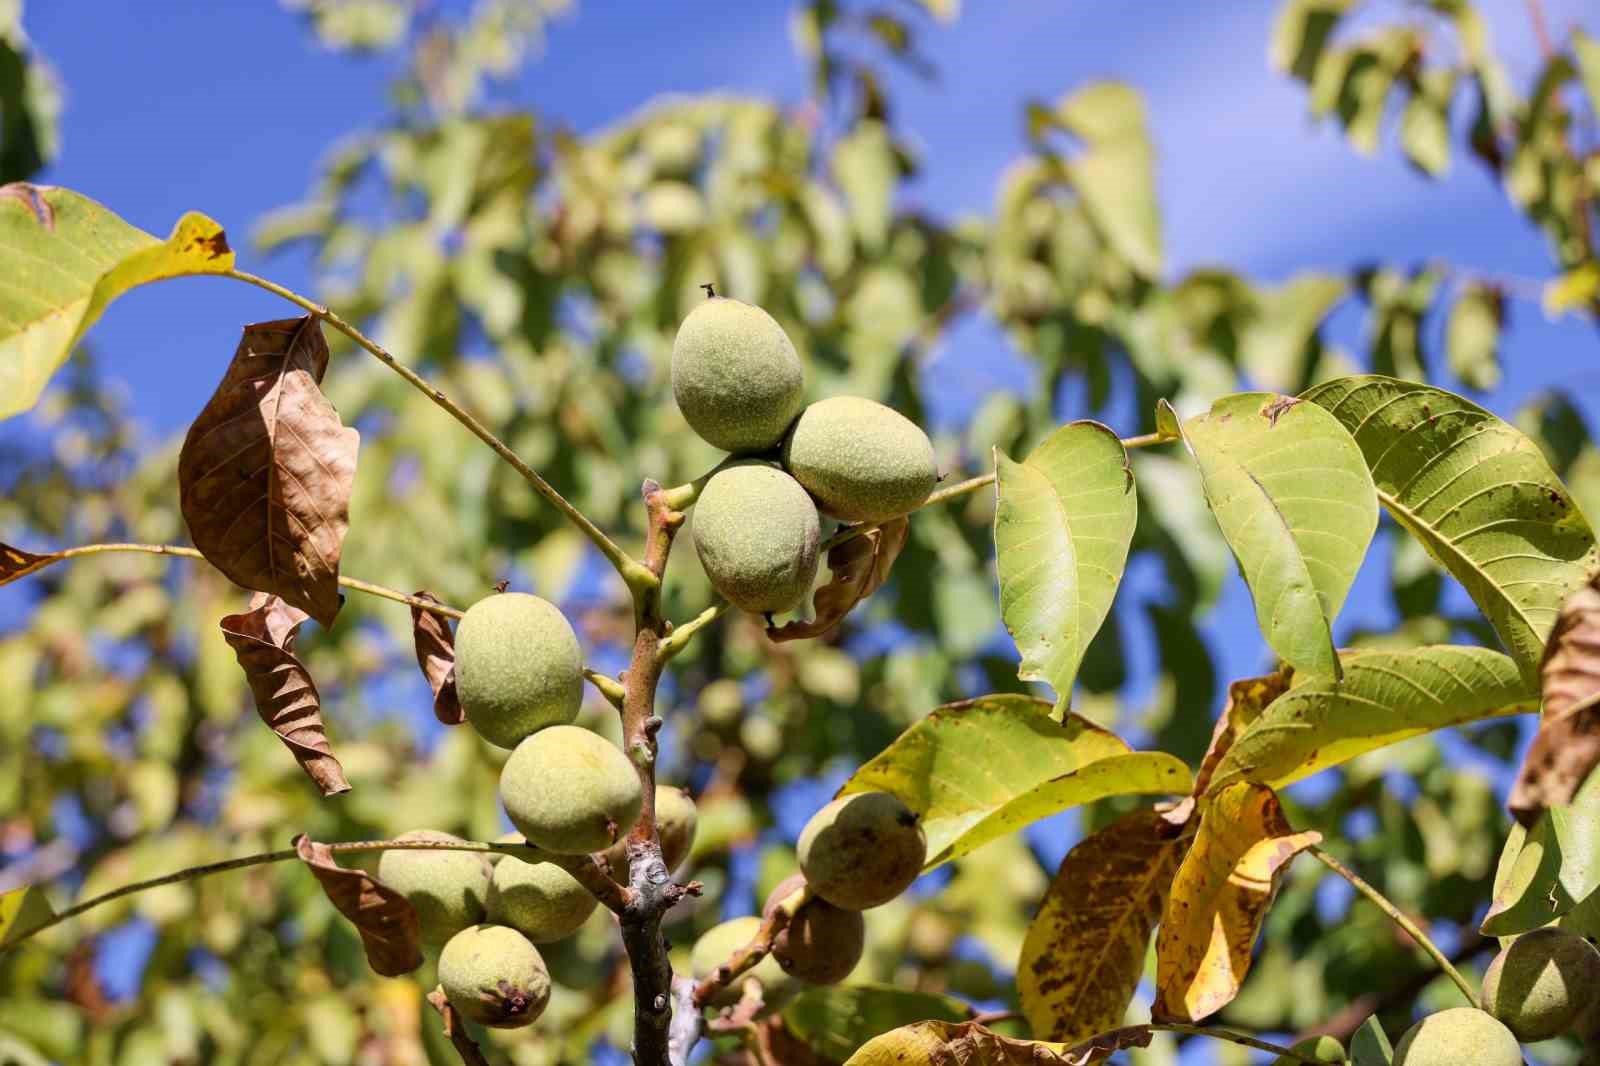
265, 473
436, 655
286, 697
16, 564
1567, 747
386, 920
1219, 899
860, 566
968, 1043
1084, 953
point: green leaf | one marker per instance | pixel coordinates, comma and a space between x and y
1547, 871
1293, 498
1301, 32
22, 910
1575, 289
85, 257
1385, 697
1478, 494
864, 165
1115, 174
1472, 337
1062, 527
1425, 122
1369, 1045
1587, 51
1274, 346
837, 1021
976, 770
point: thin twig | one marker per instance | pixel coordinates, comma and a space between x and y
1217, 1032
460, 1039
759, 947
625, 564
681, 635
609, 687
1411, 928
431, 606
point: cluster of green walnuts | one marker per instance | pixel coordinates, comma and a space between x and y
1541, 985
569, 791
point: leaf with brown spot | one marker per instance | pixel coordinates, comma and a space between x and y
1567, 747
1219, 899
265, 473
860, 566
1085, 951
436, 655
386, 920
285, 696
970, 1044
1247, 698
16, 564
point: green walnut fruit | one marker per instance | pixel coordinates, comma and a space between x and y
822, 943
862, 850
718, 943
1542, 982
676, 822
1456, 1037
570, 791
864, 462
493, 976
757, 534
1320, 1048
736, 376
518, 667
447, 888
538, 899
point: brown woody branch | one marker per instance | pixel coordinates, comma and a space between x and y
465, 1046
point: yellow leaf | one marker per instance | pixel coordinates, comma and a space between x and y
1572, 290
1085, 951
966, 1044
1219, 899
22, 910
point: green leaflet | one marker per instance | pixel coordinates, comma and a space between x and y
836, 1021
977, 770
1385, 697
1062, 527
22, 910
1547, 872
81, 258
1478, 494
1295, 503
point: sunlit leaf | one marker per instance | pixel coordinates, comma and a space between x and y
1425, 122
1472, 336
1478, 494
981, 768
1385, 697
1369, 1045
836, 1021
1291, 492
1276, 341
1085, 951
89, 257
1115, 172
1219, 899
266, 470
935, 1043
1062, 527
1576, 289
22, 910
1301, 31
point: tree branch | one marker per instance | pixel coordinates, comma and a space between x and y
759, 947
465, 1046
625, 564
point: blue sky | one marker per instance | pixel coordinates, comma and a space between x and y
226, 107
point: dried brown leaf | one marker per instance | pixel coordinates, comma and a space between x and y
1219, 899
436, 655
16, 564
860, 566
286, 697
970, 1044
265, 473
1567, 747
386, 920
1084, 953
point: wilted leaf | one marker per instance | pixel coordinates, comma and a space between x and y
1293, 497
1062, 527
265, 474
1570, 672
982, 768
285, 696
836, 1021
966, 1044
1478, 494
16, 564
385, 919
1219, 900
436, 655
860, 566
22, 910
1567, 747
89, 257
1385, 697
1085, 951
1369, 1045
1247, 699
1472, 337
